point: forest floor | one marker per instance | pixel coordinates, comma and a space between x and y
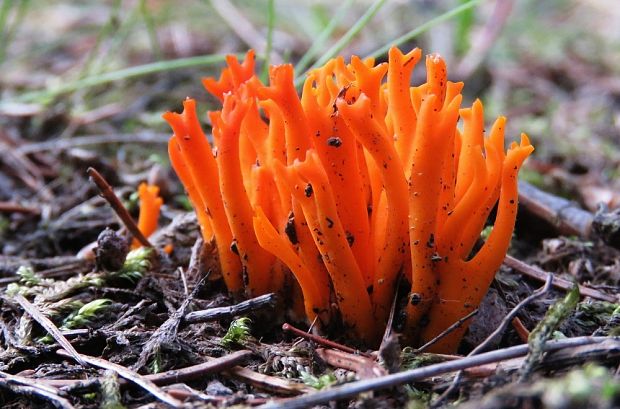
84, 86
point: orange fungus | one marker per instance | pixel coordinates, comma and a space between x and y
359, 181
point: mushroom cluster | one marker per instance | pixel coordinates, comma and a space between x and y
361, 180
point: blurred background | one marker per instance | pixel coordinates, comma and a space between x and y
84, 83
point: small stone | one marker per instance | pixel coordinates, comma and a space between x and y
217, 388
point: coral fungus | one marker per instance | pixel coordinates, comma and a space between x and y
150, 204
355, 183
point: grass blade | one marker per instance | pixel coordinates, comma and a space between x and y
8, 30
123, 74
345, 39
151, 28
271, 21
424, 27
319, 43
462, 35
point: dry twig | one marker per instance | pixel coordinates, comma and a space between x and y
266, 382
566, 216
286, 327
119, 209
353, 389
18, 385
211, 366
130, 376
49, 327
212, 314
365, 367
10, 207
23, 168
569, 218
521, 330
447, 331
541, 275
